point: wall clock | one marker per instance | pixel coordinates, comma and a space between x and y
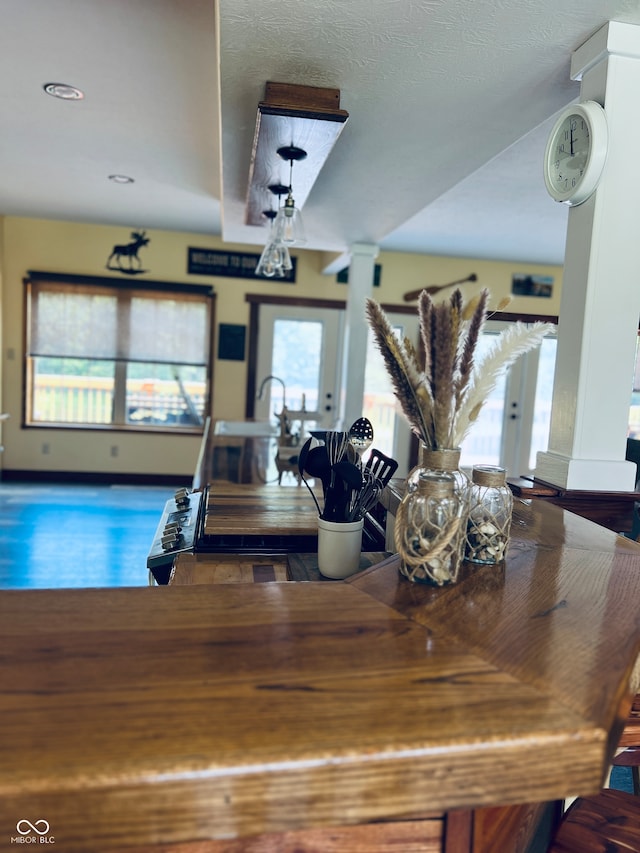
576, 152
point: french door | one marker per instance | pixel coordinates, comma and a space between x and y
513, 424
301, 348
391, 432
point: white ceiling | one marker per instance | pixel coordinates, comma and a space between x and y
450, 102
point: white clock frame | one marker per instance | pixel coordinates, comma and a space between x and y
584, 187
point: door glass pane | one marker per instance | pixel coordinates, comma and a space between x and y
296, 381
483, 444
634, 411
297, 360
392, 434
542, 405
379, 400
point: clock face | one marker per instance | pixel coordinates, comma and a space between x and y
576, 153
568, 159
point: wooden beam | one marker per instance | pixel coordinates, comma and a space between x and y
305, 116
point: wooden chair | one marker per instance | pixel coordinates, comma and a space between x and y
605, 823
609, 821
629, 743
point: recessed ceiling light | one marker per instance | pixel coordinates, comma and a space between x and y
121, 179
62, 90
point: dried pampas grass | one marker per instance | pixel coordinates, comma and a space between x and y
442, 397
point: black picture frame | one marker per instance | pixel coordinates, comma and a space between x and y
343, 276
231, 342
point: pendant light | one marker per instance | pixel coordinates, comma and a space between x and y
275, 261
288, 223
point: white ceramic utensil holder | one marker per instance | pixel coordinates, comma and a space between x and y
339, 546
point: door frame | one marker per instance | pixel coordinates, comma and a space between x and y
255, 300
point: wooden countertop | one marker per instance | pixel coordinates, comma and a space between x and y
133, 716
241, 509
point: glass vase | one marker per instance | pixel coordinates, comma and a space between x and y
489, 517
440, 461
429, 529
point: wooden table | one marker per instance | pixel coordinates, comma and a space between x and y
130, 717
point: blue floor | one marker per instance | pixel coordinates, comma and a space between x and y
60, 536
621, 779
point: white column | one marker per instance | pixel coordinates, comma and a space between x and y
361, 272
600, 303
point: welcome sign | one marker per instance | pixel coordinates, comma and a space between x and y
213, 262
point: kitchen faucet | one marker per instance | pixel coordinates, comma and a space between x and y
275, 379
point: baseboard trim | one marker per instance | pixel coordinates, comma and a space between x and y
95, 478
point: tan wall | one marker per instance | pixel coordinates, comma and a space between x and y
82, 249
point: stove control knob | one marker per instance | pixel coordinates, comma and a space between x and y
182, 498
170, 542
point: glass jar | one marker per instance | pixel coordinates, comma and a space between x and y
429, 530
489, 518
440, 461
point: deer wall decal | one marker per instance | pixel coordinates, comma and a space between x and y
130, 251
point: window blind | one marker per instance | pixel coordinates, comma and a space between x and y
119, 324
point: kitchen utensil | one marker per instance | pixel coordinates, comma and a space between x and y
317, 465
349, 473
370, 496
347, 479
381, 466
361, 435
336, 443
302, 461
366, 497
335, 497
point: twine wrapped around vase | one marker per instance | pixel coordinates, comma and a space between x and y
429, 531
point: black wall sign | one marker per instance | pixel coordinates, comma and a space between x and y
230, 264
343, 276
231, 341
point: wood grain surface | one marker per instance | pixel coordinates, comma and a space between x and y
607, 823
227, 568
191, 712
235, 509
424, 836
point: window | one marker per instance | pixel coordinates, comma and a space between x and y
100, 354
634, 410
513, 424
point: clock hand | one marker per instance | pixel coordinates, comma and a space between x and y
571, 139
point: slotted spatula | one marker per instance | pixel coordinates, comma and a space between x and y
380, 466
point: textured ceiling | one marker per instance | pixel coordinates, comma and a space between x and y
450, 102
